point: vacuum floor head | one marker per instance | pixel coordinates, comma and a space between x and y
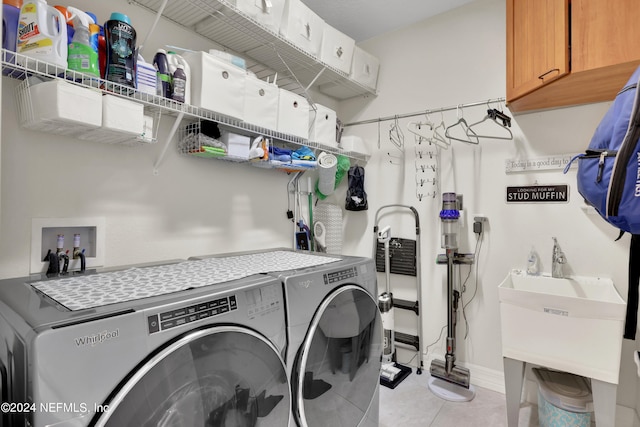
458, 375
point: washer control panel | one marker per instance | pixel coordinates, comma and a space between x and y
192, 313
339, 276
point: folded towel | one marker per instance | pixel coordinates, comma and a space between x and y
303, 153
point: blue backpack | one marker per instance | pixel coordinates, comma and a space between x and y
609, 179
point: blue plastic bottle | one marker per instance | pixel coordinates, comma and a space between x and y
10, 18
120, 50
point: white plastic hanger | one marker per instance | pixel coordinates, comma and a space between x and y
429, 131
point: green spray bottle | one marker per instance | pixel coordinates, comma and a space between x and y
82, 57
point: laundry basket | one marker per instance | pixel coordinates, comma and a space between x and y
564, 399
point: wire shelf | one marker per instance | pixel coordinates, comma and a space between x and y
21, 67
29, 118
193, 142
222, 23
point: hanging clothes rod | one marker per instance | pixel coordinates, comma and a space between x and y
421, 113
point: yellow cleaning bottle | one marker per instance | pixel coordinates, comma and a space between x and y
42, 34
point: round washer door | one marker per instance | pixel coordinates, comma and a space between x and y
221, 376
337, 374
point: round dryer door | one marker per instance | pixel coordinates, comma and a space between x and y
337, 373
222, 376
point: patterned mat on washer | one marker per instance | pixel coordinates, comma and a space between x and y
96, 290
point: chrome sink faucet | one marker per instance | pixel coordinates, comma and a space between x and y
557, 260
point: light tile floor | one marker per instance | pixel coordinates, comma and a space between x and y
412, 404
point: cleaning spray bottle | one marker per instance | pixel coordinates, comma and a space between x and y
82, 57
42, 33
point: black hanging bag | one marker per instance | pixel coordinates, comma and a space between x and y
356, 196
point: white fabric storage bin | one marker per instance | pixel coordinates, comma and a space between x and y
293, 114
302, 27
237, 145
337, 49
322, 125
216, 85
60, 107
265, 12
122, 121
354, 144
364, 68
122, 115
261, 103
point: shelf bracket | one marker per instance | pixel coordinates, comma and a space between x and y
315, 78
153, 26
172, 133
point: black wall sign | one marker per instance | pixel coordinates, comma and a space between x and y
538, 194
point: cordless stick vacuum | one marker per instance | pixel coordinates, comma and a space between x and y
447, 369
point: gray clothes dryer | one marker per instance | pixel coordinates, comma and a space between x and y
167, 345
335, 342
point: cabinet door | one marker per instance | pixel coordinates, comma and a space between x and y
537, 44
604, 33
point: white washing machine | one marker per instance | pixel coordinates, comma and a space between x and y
183, 344
335, 342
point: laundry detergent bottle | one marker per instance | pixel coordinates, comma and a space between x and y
10, 19
174, 60
42, 33
121, 55
161, 63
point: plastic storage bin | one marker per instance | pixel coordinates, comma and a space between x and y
302, 27
322, 125
337, 49
261, 103
564, 399
216, 85
59, 107
293, 114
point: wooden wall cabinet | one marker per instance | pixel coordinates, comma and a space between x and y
569, 52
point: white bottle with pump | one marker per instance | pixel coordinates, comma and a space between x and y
174, 59
39, 34
81, 56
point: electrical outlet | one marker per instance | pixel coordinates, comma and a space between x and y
480, 218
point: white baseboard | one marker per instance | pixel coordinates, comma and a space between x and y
486, 378
490, 379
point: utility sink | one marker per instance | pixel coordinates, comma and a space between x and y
573, 324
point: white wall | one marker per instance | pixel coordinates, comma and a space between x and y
457, 58
194, 206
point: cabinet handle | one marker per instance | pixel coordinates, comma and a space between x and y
541, 76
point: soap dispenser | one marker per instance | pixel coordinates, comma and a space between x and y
532, 262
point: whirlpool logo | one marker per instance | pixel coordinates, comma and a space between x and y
98, 338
